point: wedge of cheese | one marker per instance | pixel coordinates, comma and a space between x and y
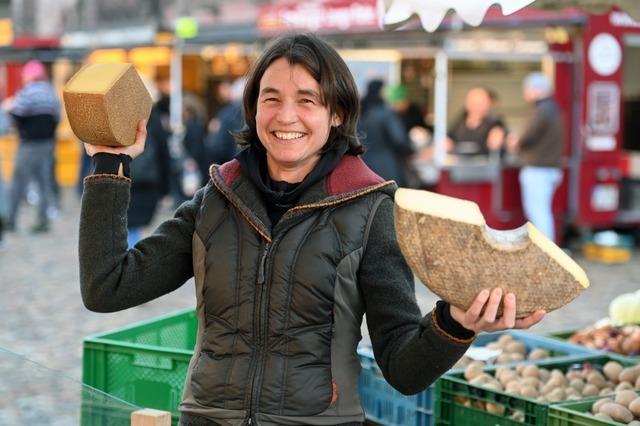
448, 245
105, 102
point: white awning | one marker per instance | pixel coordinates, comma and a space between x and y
431, 12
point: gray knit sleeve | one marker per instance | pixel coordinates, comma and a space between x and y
112, 277
412, 351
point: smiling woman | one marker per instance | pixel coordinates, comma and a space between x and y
291, 244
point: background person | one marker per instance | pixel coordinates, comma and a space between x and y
220, 144
479, 129
291, 243
388, 148
36, 113
540, 150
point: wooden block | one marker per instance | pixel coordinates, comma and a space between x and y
448, 245
105, 102
150, 417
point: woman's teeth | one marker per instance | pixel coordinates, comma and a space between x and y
288, 135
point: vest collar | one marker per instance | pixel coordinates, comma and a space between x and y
349, 180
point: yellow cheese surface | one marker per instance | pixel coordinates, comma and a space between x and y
96, 78
439, 205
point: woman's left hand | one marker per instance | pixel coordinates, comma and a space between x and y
482, 314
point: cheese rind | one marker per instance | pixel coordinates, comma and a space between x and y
458, 256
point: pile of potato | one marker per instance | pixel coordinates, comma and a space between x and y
512, 349
544, 385
623, 340
623, 408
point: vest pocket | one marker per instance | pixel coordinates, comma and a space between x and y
298, 379
220, 374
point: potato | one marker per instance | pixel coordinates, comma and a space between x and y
504, 339
575, 374
577, 384
637, 386
495, 409
507, 377
629, 374
624, 386
529, 392
625, 397
603, 416
556, 381
480, 379
606, 391
596, 378
572, 392
516, 346
557, 394
598, 403
518, 416
493, 385
530, 371
538, 353
503, 358
616, 411
473, 370
543, 374
513, 387
590, 390
612, 370
531, 382
634, 407
500, 370
516, 357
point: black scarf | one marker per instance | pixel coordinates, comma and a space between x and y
280, 195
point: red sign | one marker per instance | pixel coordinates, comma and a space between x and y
319, 15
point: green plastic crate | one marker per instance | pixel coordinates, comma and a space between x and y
385, 405
145, 363
452, 392
577, 413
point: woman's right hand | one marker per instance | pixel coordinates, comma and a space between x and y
131, 150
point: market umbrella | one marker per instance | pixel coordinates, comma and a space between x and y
431, 12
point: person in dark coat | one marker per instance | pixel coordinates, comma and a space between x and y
150, 174
220, 144
387, 142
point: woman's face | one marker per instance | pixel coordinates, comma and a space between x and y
292, 123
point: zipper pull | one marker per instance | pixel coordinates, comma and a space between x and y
263, 261
250, 422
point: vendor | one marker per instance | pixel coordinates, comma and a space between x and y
479, 129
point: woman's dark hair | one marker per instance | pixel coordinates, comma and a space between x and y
338, 89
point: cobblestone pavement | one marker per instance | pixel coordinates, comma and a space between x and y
43, 317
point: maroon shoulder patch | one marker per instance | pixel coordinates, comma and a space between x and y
350, 175
229, 171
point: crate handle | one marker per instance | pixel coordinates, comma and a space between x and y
153, 361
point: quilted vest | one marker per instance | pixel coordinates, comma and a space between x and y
280, 310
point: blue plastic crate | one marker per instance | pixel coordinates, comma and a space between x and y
385, 405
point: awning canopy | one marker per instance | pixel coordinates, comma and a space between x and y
431, 12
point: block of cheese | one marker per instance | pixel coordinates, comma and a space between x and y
448, 245
105, 102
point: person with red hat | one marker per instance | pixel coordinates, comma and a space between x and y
36, 112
